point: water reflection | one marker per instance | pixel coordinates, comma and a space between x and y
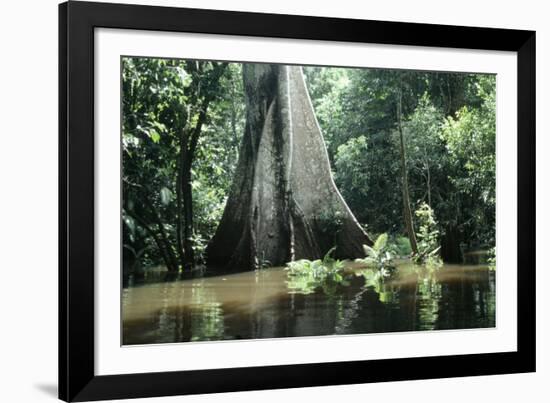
262, 304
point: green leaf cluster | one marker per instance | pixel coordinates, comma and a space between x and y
379, 256
306, 276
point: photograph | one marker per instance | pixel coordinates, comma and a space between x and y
267, 200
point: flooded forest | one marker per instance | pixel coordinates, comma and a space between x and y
264, 200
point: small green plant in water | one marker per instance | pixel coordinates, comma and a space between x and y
379, 266
403, 246
380, 256
428, 238
305, 276
433, 262
376, 280
492, 258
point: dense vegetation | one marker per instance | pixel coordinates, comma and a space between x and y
408, 150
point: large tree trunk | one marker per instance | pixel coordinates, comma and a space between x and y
283, 204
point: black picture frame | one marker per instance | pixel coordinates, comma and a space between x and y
77, 379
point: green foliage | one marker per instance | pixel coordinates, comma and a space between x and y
380, 256
353, 172
217, 152
470, 140
378, 281
327, 88
199, 247
492, 258
330, 221
449, 130
427, 238
379, 244
305, 276
433, 262
161, 100
403, 246
426, 153
429, 292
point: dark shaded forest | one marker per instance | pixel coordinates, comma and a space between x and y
411, 154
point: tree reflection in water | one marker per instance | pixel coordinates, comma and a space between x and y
262, 304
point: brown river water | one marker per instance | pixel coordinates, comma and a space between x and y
261, 304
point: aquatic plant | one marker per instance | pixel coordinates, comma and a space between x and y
433, 262
429, 292
402, 246
379, 256
376, 279
492, 258
428, 238
305, 276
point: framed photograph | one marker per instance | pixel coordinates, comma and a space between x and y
258, 201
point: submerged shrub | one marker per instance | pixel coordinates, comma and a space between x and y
492, 258
403, 246
433, 262
427, 237
376, 279
305, 276
380, 256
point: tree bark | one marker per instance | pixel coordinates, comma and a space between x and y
187, 195
283, 204
179, 199
405, 182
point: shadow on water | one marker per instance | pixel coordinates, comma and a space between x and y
260, 304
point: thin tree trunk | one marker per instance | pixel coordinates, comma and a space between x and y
404, 181
163, 237
179, 201
187, 196
188, 144
161, 244
429, 184
283, 204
